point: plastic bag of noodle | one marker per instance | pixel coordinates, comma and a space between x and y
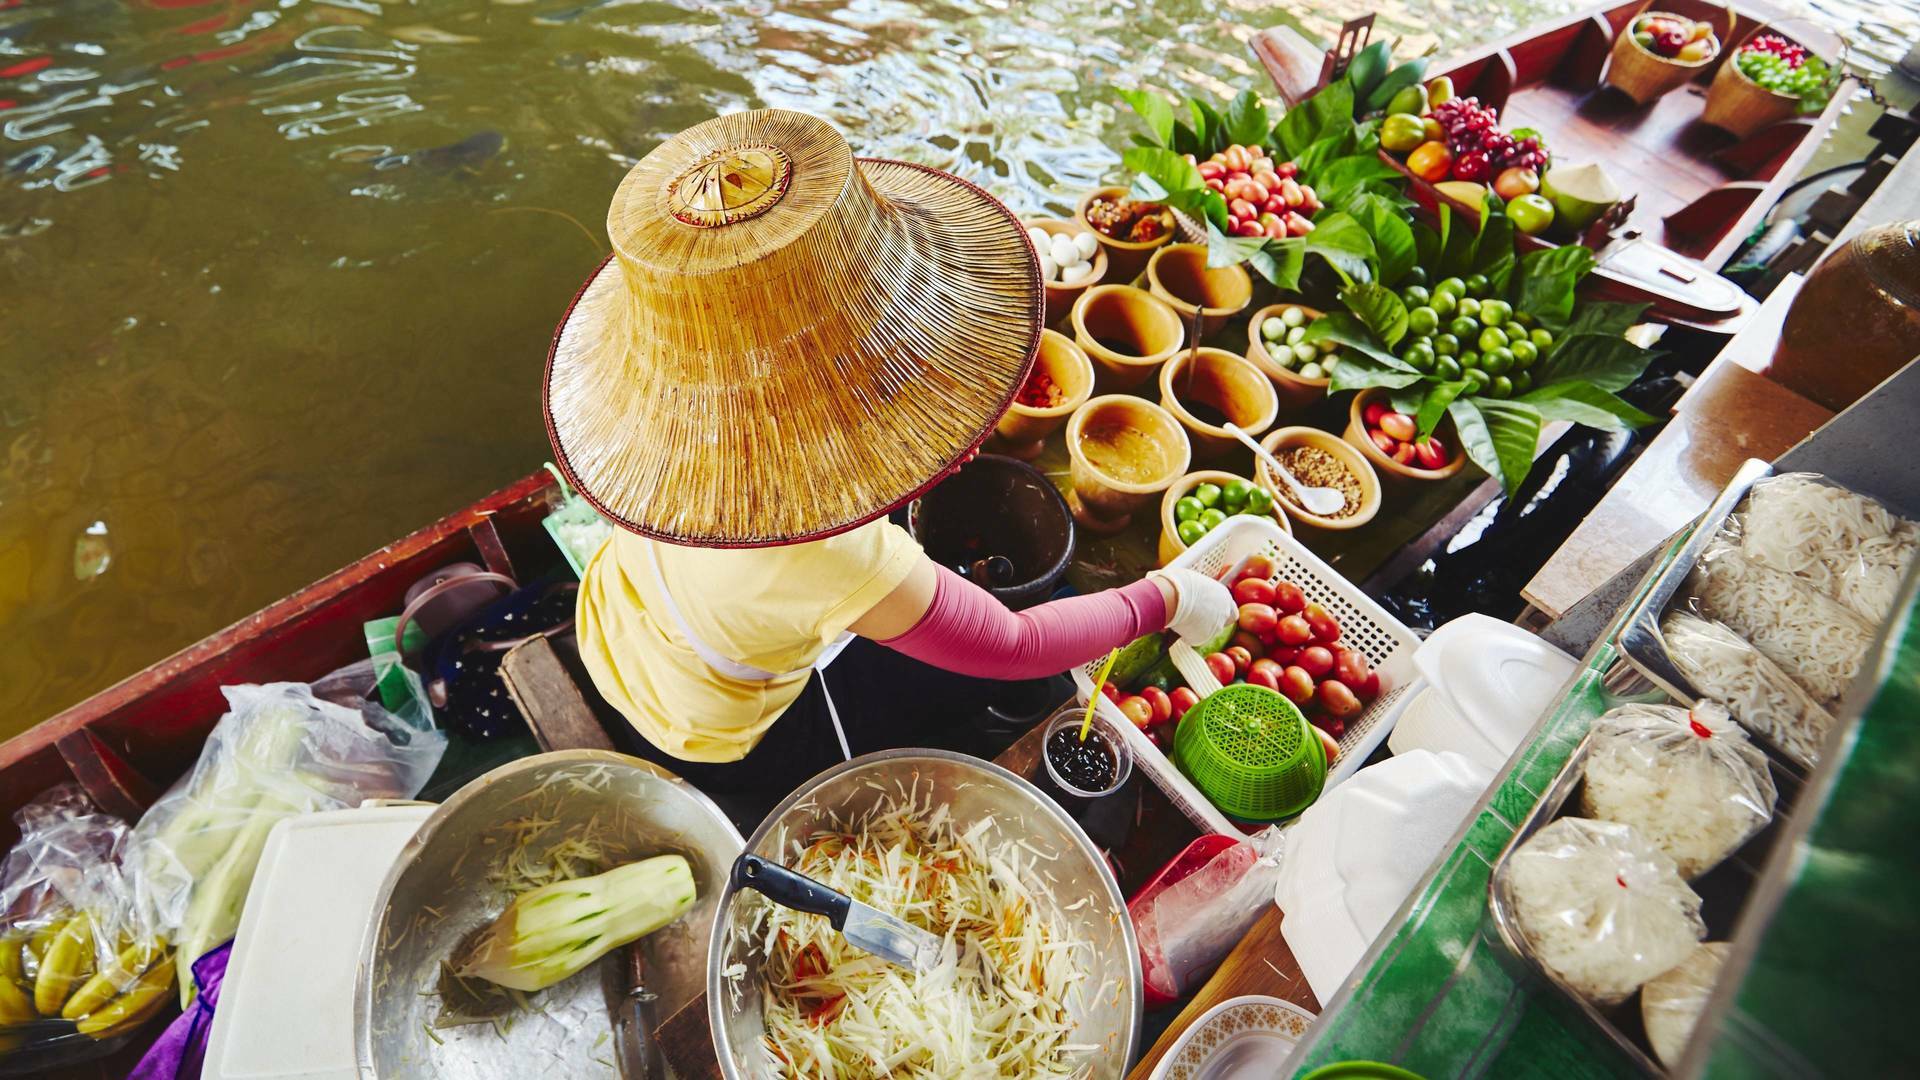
1722, 666
1834, 541
1670, 1006
1602, 908
1687, 780
1815, 639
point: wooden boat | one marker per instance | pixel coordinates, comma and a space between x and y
1694, 192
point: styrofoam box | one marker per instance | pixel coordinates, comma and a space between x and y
286, 1007
1364, 625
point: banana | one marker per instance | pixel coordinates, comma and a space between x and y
68, 959
116, 977
16, 1007
144, 998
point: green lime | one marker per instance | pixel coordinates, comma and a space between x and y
1477, 284
1470, 359
1415, 296
1497, 361
1259, 501
1233, 495
1421, 355
1541, 338
1447, 368
1212, 518
1479, 378
1207, 495
1187, 508
1444, 303
1190, 532
1423, 320
1464, 328
1452, 285
1524, 352
1522, 382
1495, 312
1446, 345
1492, 338
1469, 307
1523, 318
1501, 387
1416, 275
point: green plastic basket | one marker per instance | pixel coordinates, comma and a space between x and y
1249, 750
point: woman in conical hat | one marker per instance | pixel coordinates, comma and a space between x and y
787, 343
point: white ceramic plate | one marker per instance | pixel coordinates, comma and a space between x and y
1243, 1038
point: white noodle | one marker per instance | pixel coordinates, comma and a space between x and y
1839, 544
1815, 639
1753, 688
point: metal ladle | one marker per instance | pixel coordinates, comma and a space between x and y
1318, 501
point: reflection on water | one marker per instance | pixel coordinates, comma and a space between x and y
276, 276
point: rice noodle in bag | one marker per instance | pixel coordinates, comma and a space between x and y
1670, 1006
1815, 639
1838, 543
1602, 908
1761, 697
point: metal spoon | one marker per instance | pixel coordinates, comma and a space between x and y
1319, 501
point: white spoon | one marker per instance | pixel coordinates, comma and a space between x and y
1318, 501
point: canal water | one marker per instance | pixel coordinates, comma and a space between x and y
277, 276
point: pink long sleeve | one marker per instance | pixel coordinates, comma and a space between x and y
967, 631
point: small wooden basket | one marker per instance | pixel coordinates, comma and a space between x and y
1737, 104
1644, 75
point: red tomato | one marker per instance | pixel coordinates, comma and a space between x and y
1294, 630
1236, 158
1111, 691
1264, 673
1297, 685
1350, 667
1212, 170
1257, 618
1242, 659
1222, 667
1288, 599
1337, 698
1370, 689
1285, 654
1383, 441
1161, 703
1431, 454
1162, 737
1286, 170
1317, 659
1253, 591
1397, 425
1137, 710
1250, 642
1326, 630
1183, 698
1373, 412
1404, 453
1332, 726
1258, 566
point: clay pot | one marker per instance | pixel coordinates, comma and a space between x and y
1179, 274
1060, 297
1296, 393
1127, 332
1022, 432
1356, 464
997, 505
1105, 496
1227, 384
1389, 469
1170, 543
1125, 259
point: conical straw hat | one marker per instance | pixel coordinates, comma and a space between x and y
787, 341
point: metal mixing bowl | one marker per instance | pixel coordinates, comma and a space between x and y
971, 788
438, 893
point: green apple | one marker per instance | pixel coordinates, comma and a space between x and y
1531, 214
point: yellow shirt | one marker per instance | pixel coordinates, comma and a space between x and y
776, 609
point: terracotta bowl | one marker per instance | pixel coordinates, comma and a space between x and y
1060, 298
1286, 437
1170, 543
1179, 274
1104, 499
1127, 332
1226, 383
1390, 469
1295, 392
1023, 430
1125, 259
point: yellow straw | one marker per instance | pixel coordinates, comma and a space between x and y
1098, 683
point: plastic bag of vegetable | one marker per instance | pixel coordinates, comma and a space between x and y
1722, 666
278, 751
80, 961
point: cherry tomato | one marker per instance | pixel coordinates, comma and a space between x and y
1111, 691
1369, 690
1404, 453
1431, 454
1317, 659
1242, 659
1288, 599
1325, 629
1398, 426
1162, 737
1257, 618
1183, 698
1137, 710
1264, 673
1297, 685
1222, 667
1250, 642
1161, 703
1253, 591
1258, 566
1350, 667
1337, 698
1294, 630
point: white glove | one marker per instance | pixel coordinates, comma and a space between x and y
1203, 607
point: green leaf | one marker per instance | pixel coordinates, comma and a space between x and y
1407, 399
1368, 67
1164, 167
1163, 176
1154, 111
1246, 118
1545, 281
1500, 273
1600, 317
1357, 372
1185, 141
1224, 250
1312, 119
1210, 127
1345, 328
1393, 244
1340, 240
1607, 361
1426, 244
1397, 80
1323, 153
1494, 242
1585, 403
1457, 243
1377, 307
1434, 407
1348, 171
1499, 436
1280, 261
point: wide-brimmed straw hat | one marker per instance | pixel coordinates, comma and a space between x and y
787, 341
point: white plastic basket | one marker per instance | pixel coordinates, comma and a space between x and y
1364, 625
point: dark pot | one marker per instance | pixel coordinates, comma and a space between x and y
998, 506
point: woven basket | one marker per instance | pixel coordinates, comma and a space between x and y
1643, 75
1741, 106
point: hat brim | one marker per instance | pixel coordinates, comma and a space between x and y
855, 452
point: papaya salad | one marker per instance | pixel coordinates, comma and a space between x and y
1000, 1002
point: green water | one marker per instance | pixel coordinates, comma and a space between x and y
253, 324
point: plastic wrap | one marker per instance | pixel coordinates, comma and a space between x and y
1840, 544
1687, 780
1818, 641
1187, 928
1601, 907
1722, 666
80, 963
1670, 1006
278, 751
